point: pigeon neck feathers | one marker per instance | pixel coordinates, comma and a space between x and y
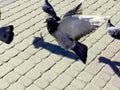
52, 25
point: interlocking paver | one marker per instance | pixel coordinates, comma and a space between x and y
60, 66
62, 81
12, 77
32, 62
33, 74
50, 75
92, 86
42, 83
70, 87
51, 88
78, 84
25, 81
85, 76
4, 69
15, 86
24, 67
33, 87
110, 87
3, 84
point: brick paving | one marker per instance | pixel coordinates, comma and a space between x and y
32, 62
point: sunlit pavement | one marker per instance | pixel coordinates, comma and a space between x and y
34, 61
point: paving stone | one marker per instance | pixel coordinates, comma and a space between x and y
51, 88
94, 50
4, 58
33, 74
12, 5
33, 87
91, 86
3, 84
106, 39
62, 81
11, 77
16, 61
43, 53
104, 76
107, 54
17, 39
45, 65
15, 86
100, 46
50, 75
21, 46
110, 87
107, 69
91, 57
24, 67
25, 81
31, 50
115, 80
70, 87
35, 59
60, 66
94, 67
85, 76
78, 84
99, 82
1, 50
4, 69
23, 55
78, 66
55, 57
57, 67
72, 72
41, 82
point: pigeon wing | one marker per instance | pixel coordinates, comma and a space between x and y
75, 10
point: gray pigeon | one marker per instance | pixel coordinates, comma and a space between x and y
70, 29
113, 30
6, 34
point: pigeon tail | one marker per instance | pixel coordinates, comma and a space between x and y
81, 50
97, 21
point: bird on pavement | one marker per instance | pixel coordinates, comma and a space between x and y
71, 28
6, 34
113, 30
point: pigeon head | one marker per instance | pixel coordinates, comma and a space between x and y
6, 34
109, 24
52, 24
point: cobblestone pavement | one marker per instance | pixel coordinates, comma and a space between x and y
32, 62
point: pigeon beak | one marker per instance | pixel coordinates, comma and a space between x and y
11, 28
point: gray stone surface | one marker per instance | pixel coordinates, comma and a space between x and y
33, 63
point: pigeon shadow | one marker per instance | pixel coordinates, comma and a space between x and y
39, 42
113, 64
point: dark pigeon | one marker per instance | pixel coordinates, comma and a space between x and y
6, 34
